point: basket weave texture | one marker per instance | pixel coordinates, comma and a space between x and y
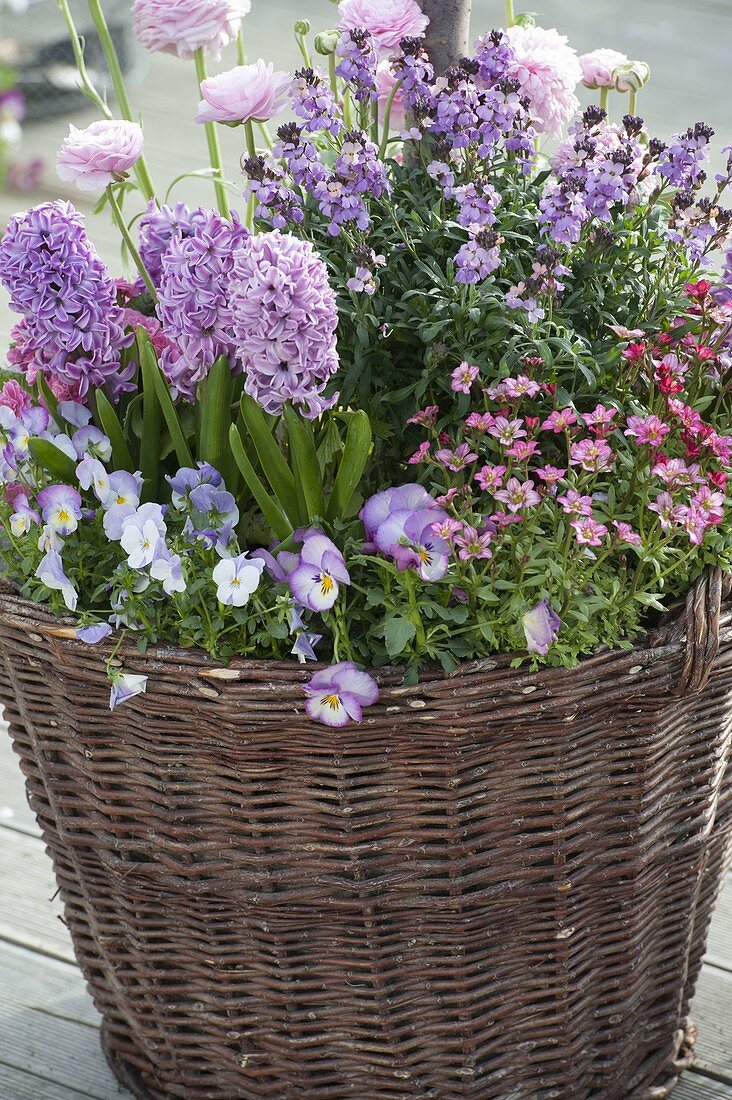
497, 887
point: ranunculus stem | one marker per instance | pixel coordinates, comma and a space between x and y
214, 149
387, 119
251, 144
510, 16
241, 55
632, 101
129, 243
604, 97
118, 81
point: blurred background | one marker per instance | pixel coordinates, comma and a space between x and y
688, 44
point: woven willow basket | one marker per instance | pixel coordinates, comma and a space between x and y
498, 887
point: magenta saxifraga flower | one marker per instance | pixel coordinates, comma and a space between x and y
183, 26
337, 695
194, 299
247, 93
73, 331
102, 153
284, 322
388, 21
548, 72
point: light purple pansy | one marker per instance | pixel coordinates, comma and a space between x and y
337, 695
94, 633
408, 498
51, 573
92, 474
125, 686
189, 478
24, 517
321, 570
168, 568
61, 508
91, 441
409, 538
75, 414
541, 627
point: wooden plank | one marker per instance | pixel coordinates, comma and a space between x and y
693, 1086
18, 1084
49, 1027
30, 914
712, 1014
719, 947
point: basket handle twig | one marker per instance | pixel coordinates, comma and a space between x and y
701, 620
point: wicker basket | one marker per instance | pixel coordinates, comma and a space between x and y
498, 887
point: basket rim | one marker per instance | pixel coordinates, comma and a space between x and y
668, 636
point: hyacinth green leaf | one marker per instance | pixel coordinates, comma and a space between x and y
49, 398
272, 460
151, 419
355, 456
53, 460
215, 397
304, 458
281, 526
177, 435
121, 457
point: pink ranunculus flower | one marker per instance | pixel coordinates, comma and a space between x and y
388, 21
385, 81
94, 157
598, 66
183, 26
248, 92
548, 71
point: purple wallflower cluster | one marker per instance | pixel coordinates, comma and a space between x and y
314, 103
681, 161
277, 202
284, 316
358, 173
73, 329
357, 63
158, 226
194, 306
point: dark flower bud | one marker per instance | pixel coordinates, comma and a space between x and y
633, 124
656, 147
593, 116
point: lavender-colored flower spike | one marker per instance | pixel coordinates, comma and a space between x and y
337, 695
74, 329
194, 306
159, 226
285, 319
541, 627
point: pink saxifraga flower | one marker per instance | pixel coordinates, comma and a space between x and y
588, 532
559, 421
463, 377
648, 430
507, 431
474, 545
420, 455
105, 151
248, 93
181, 27
490, 477
458, 459
625, 533
388, 21
425, 417
518, 495
548, 72
479, 422
575, 504
593, 455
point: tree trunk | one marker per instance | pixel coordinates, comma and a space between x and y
448, 35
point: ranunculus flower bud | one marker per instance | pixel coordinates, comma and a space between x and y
632, 76
95, 157
302, 27
183, 26
248, 92
326, 42
388, 21
598, 67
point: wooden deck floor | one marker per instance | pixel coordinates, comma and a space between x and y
49, 1043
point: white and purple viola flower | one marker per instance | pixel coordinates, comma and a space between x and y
541, 627
125, 686
51, 573
61, 508
337, 695
237, 579
401, 523
168, 568
24, 517
141, 533
315, 582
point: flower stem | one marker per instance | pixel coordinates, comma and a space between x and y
632, 100
118, 81
241, 56
214, 149
510, 16
604, 97
130, 244
387, 119
251, 144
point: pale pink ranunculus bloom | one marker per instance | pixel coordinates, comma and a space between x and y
94, 157
598, 66
249, 92
181, 27
385, 81
387, 20
548, 71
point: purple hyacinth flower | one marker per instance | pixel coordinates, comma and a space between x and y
51, 573
93, 634
304, 647
125, 686
315, 582
337, 695
61, 508
541, 627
